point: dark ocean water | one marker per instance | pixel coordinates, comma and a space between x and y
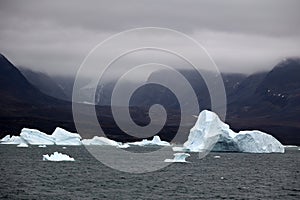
234, 176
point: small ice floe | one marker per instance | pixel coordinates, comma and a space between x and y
179, 157
290, 146
56, 156
156, 141
42, 146
24, 145
182, 149
217, 157
123, 146
103, 141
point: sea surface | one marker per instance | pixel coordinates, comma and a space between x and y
232, 176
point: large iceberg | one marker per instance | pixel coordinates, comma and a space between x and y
103, 141
179, 157
210, 133
63, 137
156, 141
56, 156
205, 132
36, 137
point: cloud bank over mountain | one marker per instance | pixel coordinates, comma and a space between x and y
241, 36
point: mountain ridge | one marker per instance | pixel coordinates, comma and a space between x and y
252, 100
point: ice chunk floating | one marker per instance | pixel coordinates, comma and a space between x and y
210, 130
96, 140
103, 141
179, 157
156, 141
23, 145
56, 156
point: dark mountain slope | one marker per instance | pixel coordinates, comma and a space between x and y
44, 83
270, 102
23, 105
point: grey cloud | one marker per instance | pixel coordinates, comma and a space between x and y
263, 17
242, 36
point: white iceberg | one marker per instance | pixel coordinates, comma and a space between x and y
5, 139
156, 141
14, 140
205, 133
36, 137
178, 148
23, 145
210, 132
42, 146
56, 156
96, 140
179, 157
257, 142
103, 141
249, 142
63, 137
58, 137
123, 146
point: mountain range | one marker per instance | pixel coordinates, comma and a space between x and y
268, 101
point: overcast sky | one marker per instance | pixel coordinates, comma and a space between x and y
241, 36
